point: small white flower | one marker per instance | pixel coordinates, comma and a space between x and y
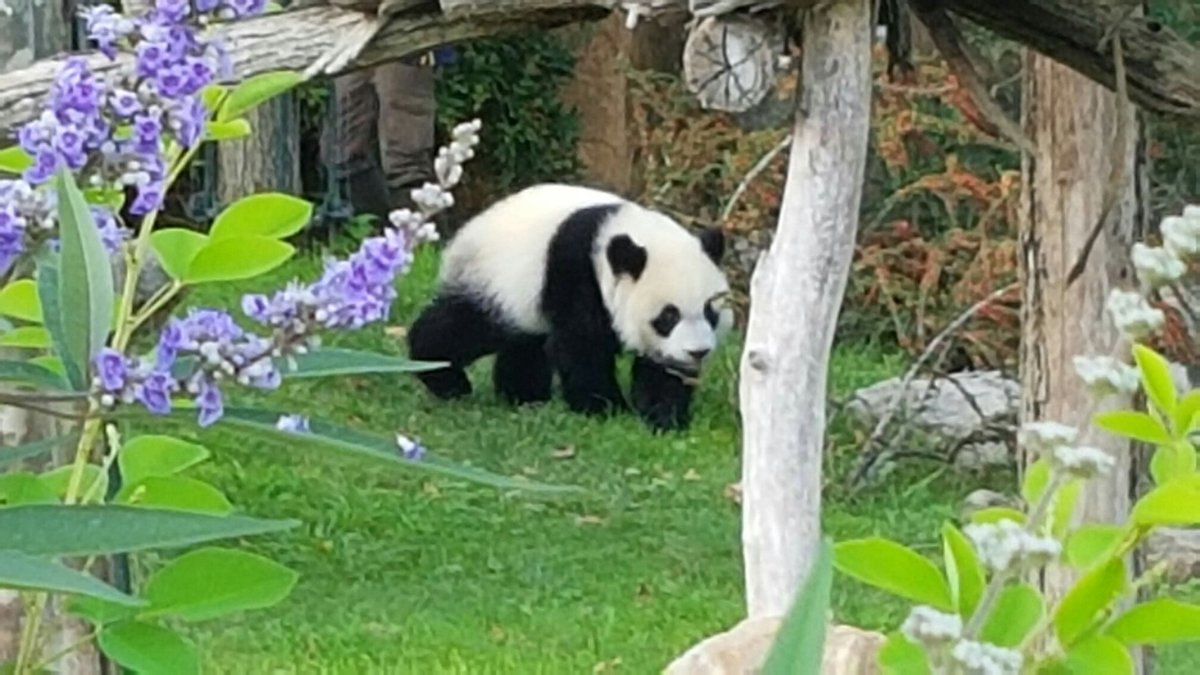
981, 658
1105, 375
1132, 314
1157, 266
1006, 547
1191, 211
1081, 462
292, 423
1044, 436
928, 626
1181, 234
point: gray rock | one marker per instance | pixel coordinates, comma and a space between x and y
1178, 549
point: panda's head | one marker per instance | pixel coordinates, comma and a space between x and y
667, 293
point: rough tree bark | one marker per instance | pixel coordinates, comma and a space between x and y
1072, 122
266, 161
795, 295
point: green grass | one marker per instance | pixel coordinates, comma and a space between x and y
403, 573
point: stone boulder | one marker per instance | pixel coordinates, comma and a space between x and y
741, 650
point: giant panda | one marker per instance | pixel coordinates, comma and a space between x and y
562, 278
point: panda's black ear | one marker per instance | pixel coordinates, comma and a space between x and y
712, 240
626, 257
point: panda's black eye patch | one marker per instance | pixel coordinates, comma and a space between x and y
710, 314
665, 322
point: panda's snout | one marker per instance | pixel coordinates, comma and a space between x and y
699, 354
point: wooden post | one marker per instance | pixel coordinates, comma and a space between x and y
1072, 122
795, 295
268, 160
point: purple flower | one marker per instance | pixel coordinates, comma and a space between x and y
111, 369
173, 11
410, 448
124, 103
209, 403
155, 390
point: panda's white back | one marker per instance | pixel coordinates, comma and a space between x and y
500, 254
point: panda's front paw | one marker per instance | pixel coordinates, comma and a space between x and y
661, 399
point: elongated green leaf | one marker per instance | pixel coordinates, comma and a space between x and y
996, 514
1094, 592
24, 487
227, 131
212, 582
1088, 544
55, 530
1185, 413
174, 492
149, 649
1139, 426
48, 292
1018, 609
28, 372
267, 214
255, 90
326, 362
212, 96
1176, 503
1037, 477
237, 258
176, 248
17, 453
18, 570
894, 568
14, 160
1064, 507
799, 645
898, 656
963, 570
1171, 461
26, 337
1156, 378
1157, 622
85, 289
156, 455
20, 300
1099, 655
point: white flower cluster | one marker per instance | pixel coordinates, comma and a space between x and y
5, 9
1006, 547
1133, 314
433, 198
928, 626
1105, 375
1181, 234
1046, 436
1158, 265
981, 658
1081, 462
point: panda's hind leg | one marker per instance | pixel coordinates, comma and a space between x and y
456, 329
522, 372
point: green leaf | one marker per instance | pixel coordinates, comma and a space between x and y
17, 453
85, 290
1099, 655
894, 568
799, 645
330, 437
156, 455
1156, 378
1158, 622
255, 90
268, 214
53, 364
58, 479
1018, 609
57, 530
1171, 461
212, 582
48, 282
237, 258
99, 612
108, 197
1185, 413
28, 372
176, 248
18, 570
326, 361
1037, 477
1176, 503
963, 570
227, 131
1064, 507
24, 487
149, 649
14, 160
995, 514
20, 300
26, 337
898, 656
1139, 426
211, 97
1093, 593
1088, 544
174, 492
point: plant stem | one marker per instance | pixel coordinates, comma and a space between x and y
64, 651
164, 295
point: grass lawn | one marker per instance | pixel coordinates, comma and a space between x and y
404, 573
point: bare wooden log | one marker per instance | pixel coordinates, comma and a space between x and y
729, 62
795, 295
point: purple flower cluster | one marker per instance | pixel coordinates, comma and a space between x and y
23, 211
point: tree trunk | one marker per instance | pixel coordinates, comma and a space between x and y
795, 295
268, 160
1072, 122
